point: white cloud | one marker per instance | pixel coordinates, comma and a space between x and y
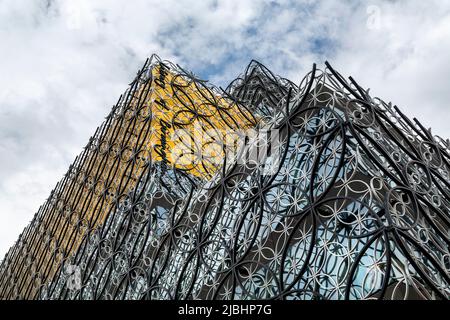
63, 65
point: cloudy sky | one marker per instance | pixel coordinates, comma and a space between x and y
63, 64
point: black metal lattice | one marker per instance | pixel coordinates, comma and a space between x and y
349, 201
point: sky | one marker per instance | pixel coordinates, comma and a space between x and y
64, 64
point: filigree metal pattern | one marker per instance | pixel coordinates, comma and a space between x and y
351, 202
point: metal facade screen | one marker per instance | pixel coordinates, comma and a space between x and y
264, 190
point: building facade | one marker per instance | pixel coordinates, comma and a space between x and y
264, 190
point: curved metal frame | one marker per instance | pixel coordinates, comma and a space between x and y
357, 206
